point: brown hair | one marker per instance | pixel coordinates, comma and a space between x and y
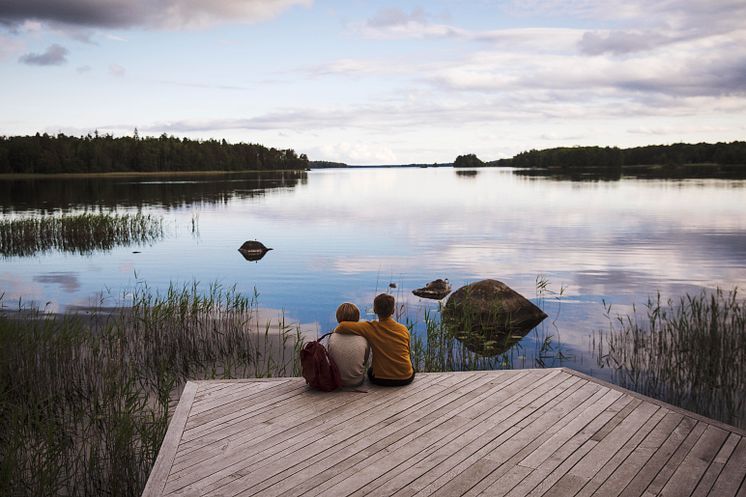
384, 305
348, 312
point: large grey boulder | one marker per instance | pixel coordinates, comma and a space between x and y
488, 316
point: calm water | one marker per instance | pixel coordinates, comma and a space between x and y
341, 235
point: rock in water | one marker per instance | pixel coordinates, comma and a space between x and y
253, 250
489, 317
435, 290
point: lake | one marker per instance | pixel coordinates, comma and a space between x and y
345, 235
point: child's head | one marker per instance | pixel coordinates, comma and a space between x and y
384, 305
348, 312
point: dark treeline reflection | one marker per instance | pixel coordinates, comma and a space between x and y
688, 171
55, 194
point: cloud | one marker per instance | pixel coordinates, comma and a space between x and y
620, 42
357, 153
117, 71
397, 24
394, 23
54, 55
9, 46
83, 69
68, 281
169, 14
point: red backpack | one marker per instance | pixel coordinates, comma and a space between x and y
318, 367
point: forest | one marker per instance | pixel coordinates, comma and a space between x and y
613, 157
49, 154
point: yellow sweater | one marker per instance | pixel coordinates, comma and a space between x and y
390, 343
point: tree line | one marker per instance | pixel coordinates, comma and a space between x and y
48, 154
613, 157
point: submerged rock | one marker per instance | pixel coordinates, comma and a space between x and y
489, 317
253, 250
435, 290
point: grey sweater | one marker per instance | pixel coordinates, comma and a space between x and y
350, 353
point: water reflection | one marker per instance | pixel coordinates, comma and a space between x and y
343, 235
663, 172
48, 195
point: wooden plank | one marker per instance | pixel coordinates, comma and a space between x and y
687, 475
263, 436
256, 418
483, 456
580, 474
733, 475
367, 477
162, 467
495, 426
567, 437
507, 456
659, 458
716, 467
291, 441
397, 430
367, 446
438, 456
500, 402
569, 453
640, 456
660, 403
338, 404
673, 462
208, 393
260, 395
620, 455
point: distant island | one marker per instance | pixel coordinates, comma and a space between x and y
613, 157
50, 154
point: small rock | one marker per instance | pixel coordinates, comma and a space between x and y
253, 250
434, 290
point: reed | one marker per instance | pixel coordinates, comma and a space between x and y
79, 233
690, 352
85, 399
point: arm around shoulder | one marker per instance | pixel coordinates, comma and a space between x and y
359, 328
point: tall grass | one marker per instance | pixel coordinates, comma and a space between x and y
85, 400
79, 233
690, 352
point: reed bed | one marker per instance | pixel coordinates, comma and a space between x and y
79, 233
85, 400
690, 352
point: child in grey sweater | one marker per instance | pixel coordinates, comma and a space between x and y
349, 352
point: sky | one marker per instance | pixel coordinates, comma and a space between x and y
378, 82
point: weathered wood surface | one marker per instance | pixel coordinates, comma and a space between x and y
508, 433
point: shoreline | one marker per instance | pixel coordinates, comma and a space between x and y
125, 174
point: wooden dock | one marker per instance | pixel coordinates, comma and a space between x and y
550, 432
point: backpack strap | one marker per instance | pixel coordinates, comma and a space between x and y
324, 336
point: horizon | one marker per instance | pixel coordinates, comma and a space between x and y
393, 83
